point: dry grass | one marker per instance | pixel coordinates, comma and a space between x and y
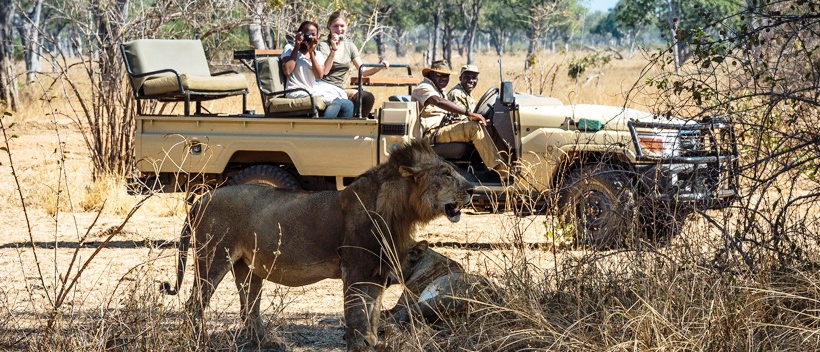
670, 297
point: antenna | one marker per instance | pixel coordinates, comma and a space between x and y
500, 72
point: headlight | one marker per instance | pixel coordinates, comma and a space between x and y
659, 145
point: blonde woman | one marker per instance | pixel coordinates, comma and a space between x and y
341, 55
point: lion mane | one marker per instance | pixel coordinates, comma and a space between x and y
296, 238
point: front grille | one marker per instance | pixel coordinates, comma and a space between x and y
394, 129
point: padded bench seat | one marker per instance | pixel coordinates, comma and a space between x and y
215, 84
177, 70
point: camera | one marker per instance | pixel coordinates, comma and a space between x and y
307, 36
341, 38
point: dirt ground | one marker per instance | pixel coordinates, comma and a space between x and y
143, 254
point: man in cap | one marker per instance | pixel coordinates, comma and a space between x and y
446, 122
460, 94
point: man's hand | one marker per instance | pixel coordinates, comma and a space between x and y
477, 118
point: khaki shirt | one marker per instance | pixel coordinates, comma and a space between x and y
461, 98
342, 60
430, 115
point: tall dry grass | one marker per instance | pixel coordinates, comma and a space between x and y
673, 296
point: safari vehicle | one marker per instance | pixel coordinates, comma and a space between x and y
614, 170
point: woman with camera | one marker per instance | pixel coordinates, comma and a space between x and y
302, 64
340, 53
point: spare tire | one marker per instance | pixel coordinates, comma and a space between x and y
267, 175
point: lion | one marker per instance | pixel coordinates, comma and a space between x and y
296, 238
436, 288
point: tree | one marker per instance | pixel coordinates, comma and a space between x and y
470, 15
633, 16
29, 26
564, 22
8, 79
538, 12
500, 20
681, 19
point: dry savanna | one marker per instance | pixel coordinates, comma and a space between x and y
83, 260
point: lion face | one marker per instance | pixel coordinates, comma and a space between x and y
439, 189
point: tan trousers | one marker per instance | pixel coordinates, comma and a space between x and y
472, 132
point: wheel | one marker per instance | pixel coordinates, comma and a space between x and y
267, 175
483, 104
599, 205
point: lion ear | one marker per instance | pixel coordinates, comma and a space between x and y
418, 250
408, 171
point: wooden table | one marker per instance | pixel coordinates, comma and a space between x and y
385, 81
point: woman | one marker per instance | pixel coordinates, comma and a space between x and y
340, 53
301, 63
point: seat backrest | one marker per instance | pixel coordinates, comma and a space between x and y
270, 75
181, 55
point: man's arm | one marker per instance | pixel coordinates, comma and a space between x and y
454, 108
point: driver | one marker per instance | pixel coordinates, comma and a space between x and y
460, 94
446, 122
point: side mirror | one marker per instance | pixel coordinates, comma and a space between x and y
507, 93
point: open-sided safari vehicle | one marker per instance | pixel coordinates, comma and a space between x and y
608, 170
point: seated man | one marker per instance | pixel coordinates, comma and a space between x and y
460, 94
446, 122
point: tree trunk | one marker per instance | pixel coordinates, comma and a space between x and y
30, 37
381, 44
400, 43
497, 40
436, 25
470, 25
671, 21
8, 81
534, 36
255, 37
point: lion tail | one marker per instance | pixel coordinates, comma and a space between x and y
182, 259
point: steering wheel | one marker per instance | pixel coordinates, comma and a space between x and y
484, 103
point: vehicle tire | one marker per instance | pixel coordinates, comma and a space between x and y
599, 206
267, 175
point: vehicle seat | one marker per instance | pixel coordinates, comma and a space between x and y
157, 71
271, 81
453, 151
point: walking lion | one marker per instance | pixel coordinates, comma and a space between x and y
296, 238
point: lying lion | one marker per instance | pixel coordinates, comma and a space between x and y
296, 238
436, 288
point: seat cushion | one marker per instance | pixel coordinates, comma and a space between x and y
276, 105
168, 84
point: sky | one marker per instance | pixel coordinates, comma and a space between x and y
600, 5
